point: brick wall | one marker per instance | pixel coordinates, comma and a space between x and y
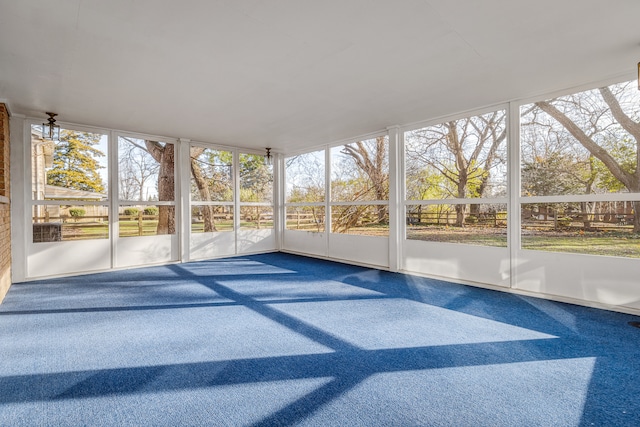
5, 213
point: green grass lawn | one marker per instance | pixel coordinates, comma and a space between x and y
608, 244
618, 243
481, 236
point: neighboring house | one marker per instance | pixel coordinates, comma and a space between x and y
42, 160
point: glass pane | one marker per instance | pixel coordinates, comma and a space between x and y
74, 168
257, 217
479, 224
146, 220
211, 175
582, 143
594, 228
307, 218
256, 179
463, 158
206, 219
145, 170
360, 171
369, 220
305, 178
54, 223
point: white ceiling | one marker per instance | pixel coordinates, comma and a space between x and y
292, 74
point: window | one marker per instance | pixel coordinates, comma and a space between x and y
305, 192
146, 187
211, 190
456, 181
579, 155
360, 187
256, 192
69, 186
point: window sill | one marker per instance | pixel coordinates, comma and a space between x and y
4, 200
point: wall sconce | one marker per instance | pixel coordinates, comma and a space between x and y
50, 130
268, 158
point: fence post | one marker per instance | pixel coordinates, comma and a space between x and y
258, 215
140, 212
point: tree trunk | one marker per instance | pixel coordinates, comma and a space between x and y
636, 217
584, 211
207, 211
165, 156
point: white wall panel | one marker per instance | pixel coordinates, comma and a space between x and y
211, 245
252, 240
361, 249
596, 279
71, 257
481, 264
305, 242
133, 251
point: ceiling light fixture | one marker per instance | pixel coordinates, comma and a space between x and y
268, 158
50, 130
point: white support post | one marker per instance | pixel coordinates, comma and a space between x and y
21, 228
114, 198
236, 198
327, 198
395, 204
513, 184
278, 199
183, 199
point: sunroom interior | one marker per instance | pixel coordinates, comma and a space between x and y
489, 143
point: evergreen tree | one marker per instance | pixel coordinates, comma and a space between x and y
75, 163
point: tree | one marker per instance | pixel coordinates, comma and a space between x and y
256, 179
75, 163
164, 154
136, 168
597, 120
361, 174
372, 160
464, 151
305, 178
203, 189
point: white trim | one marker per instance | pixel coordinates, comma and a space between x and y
607, 197
214, 203
145, 202
75, 202
335, 143
223, 147
615, 79
4, 200
304, 204
365, 137
457, 116
360, 203
256, 204
457, 201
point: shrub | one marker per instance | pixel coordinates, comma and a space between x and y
77, 212
564, 221
131, 211
151, 210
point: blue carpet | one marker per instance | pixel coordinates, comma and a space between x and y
278, 339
